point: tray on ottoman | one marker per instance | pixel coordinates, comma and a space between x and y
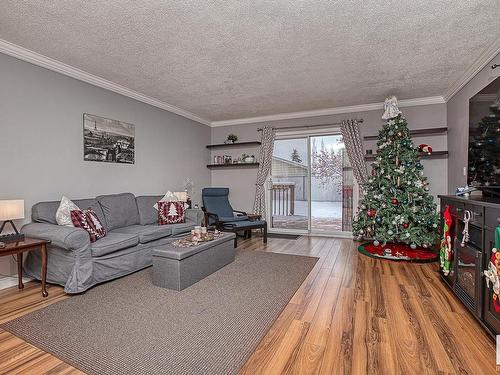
179, 267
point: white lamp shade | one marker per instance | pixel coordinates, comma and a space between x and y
181, 196
11, 210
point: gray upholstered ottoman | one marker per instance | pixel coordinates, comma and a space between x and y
177, 268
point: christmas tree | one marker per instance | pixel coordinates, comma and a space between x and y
484, 159
396, 206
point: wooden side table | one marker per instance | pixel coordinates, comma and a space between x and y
18, 248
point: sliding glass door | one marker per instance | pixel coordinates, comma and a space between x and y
311, 187
331, 185
289, 186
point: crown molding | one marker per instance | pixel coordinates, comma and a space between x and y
70, 71
484, 59
329, 111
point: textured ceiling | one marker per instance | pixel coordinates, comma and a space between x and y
233, 59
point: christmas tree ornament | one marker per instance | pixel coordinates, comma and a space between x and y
394, 201
413, 245
376, 243
378, 220
406, 225
390, 232
424, 148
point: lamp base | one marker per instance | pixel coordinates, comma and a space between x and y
11, 237
14, 237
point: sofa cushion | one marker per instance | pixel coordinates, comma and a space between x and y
147, 233
63, 213
45, 212
113, 242
182, 227
171, 212
147, 212
120, 210
88, 220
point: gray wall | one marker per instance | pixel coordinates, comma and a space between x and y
242, 181
41, 144
458, 125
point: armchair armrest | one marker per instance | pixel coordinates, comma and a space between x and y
68, 238
209, 215
243, 213
213, 216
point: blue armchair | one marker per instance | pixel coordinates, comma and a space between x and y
219, 213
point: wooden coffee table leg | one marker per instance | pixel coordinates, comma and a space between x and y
20, 270
44, 270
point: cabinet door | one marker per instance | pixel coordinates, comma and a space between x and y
491, 312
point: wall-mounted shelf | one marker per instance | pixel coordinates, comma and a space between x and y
423, 155
233, 166
237, 144
415, 133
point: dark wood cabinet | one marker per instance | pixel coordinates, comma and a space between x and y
466, 278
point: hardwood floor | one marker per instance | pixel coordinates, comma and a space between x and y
352, 315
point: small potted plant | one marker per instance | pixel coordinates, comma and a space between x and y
231, 138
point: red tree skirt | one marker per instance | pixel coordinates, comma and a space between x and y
398, 252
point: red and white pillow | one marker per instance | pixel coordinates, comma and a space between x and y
88, 220
171, 212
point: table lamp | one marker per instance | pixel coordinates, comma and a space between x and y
11, 210
182, 196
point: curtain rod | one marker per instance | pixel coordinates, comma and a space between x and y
307, 126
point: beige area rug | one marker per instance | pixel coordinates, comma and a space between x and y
129, 326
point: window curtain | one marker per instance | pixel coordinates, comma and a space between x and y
265, 160
354, 147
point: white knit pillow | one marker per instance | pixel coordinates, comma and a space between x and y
63, 214
169, 197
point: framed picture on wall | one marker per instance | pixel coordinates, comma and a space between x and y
108, 140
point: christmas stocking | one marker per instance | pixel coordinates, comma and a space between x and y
493, 271
445, 252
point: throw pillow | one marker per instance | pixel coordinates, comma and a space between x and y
63, 214
89, 221
169, 197
171, 212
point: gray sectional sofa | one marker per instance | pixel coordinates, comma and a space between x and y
132, 233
